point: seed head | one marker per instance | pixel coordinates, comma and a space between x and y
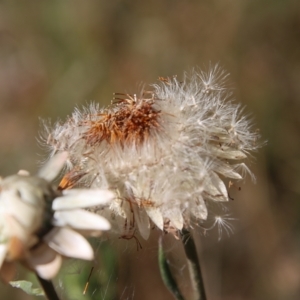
165, 151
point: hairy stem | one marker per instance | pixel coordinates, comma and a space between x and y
193, 263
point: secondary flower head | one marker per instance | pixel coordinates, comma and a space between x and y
39, 224
164, 151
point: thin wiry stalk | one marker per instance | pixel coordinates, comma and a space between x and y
48, 288
193, 264
166, 274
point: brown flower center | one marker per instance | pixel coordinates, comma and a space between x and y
129, 121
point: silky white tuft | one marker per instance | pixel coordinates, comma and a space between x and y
165, 151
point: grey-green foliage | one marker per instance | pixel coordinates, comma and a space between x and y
27, 287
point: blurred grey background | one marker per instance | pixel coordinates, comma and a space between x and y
55, 55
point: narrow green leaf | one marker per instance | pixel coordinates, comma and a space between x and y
166, 273
193, 264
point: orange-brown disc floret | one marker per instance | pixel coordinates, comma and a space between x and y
70, 179
130, 121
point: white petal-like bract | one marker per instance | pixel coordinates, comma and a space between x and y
52, 168
45, 261
82, 199
69, 243
80, 219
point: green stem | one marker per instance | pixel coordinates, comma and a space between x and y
193, 263
48, 288
166, 274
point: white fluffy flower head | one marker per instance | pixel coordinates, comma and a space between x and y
164, 151
39, 224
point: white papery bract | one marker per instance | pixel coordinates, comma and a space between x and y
39, 224
164, 151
